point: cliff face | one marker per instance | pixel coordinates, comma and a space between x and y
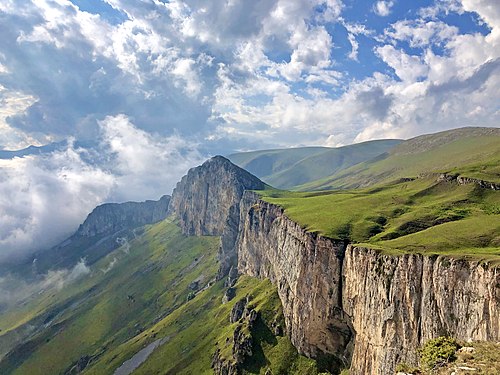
397, 303
113, 217
340, 300
306, 269
206, 202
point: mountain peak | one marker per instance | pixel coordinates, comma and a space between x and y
203, 198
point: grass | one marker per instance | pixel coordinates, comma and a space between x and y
477, 358
103, 310
475, 156
423, 216
195, 330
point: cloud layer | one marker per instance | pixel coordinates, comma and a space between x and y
156, 86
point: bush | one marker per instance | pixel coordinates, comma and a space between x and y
438, 352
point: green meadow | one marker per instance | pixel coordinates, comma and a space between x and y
422, 215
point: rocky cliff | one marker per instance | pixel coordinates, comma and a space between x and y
397, 303
206, 202
306, 269
343, 300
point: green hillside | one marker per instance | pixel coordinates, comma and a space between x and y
124, 294
193, 332
286, 168
422, 215
159, 288
470, 152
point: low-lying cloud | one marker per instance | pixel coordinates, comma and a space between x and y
14, 290
43, 198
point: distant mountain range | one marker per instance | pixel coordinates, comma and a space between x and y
287, 168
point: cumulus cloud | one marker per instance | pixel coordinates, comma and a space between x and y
383, 8
43, 198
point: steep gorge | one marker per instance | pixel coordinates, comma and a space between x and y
348, 305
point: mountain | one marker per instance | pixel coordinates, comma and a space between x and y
242, 278
470, 152
206, 202
104, 229
45, 149
286, 168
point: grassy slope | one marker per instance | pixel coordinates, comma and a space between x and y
195, 330
469, 152
287, 168
102, 310
422, 216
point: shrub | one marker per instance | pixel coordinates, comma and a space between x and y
438, 352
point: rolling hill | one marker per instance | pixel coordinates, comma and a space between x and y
469, 152
286, 168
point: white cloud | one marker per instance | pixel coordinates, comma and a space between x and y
144, 165
44, 198
420, 33
407, 67
13, 103
383, 8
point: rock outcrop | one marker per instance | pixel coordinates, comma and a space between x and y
241, 342
206, 202
461, 180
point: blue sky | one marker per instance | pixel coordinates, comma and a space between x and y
161, 85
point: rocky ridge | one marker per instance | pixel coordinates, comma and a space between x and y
113, 217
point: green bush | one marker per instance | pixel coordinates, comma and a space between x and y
438, 352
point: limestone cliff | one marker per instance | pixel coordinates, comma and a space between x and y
306, 269
397, 303
336, 298
206, 202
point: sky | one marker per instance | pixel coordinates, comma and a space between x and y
139, 91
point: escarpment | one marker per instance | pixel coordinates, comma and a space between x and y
397, 303
342, 300
351, 306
